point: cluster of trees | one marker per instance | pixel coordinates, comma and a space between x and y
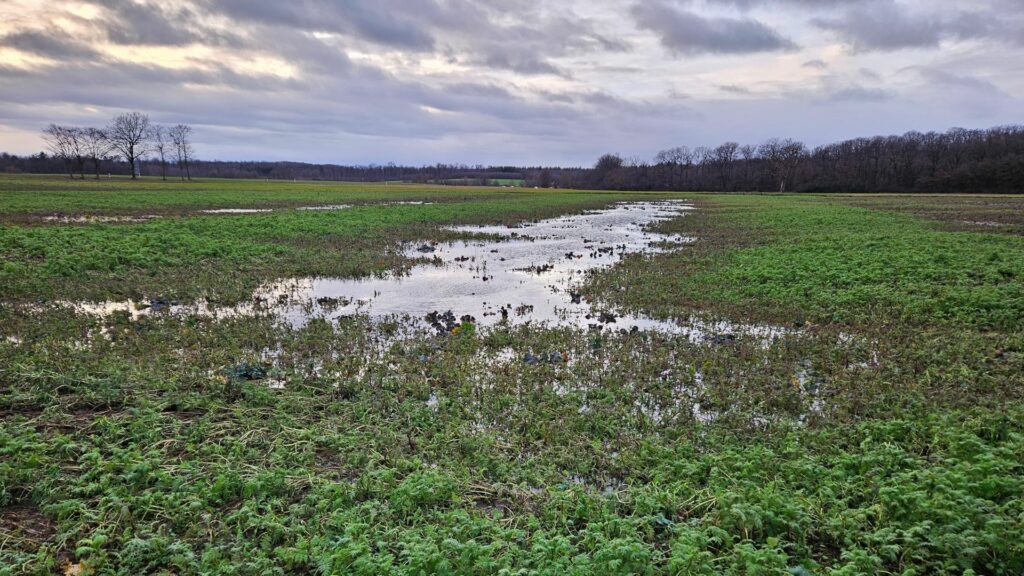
130, 136
437, 173
958, 160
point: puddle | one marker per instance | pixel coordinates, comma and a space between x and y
982, 223
236, 211
523, 274
529, 275
323, 207
98, 219
326, 207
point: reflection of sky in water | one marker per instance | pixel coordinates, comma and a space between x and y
529, 273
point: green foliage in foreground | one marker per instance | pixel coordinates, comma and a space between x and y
517, 470
890, 444
939, 495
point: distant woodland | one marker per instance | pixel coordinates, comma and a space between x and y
958, 160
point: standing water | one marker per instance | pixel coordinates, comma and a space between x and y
529, 273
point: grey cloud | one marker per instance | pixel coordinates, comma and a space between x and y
734, 89
382, 22
948, 80
751, 4
685, 32
129, 22
343, 108
886, 25
858, 94
48, 43
521, 63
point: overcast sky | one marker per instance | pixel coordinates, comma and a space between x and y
507, 81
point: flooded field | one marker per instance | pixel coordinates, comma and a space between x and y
259, 377
530, 273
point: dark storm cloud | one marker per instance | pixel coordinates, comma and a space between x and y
685, 32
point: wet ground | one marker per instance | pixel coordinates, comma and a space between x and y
530, 273
525, 274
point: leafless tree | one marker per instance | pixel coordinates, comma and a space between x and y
724, 156
783, 158
747, 152
161, 144
65, 143
545, 180
129, 135
96, 146
181, 139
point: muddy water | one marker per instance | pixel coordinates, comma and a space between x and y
524, 274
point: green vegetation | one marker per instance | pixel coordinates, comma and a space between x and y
799, 257
883, 436
185, 253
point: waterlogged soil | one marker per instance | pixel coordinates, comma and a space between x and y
526, 274
143, 218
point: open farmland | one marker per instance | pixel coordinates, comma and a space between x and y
814, 385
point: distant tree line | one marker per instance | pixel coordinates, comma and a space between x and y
958, 160
129, 137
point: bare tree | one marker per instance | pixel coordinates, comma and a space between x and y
747, 152
783, 157
161, 144
724, 156
606, 170
181, 138
96, 146
545, 180
64, 142
129, 135
702, 158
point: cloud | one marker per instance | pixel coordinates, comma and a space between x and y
886, 25
48, 44
685, 32
858, 94
938, 78
734, 89
135, 23
509, 81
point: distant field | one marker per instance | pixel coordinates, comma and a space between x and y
881, 430
50, 194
